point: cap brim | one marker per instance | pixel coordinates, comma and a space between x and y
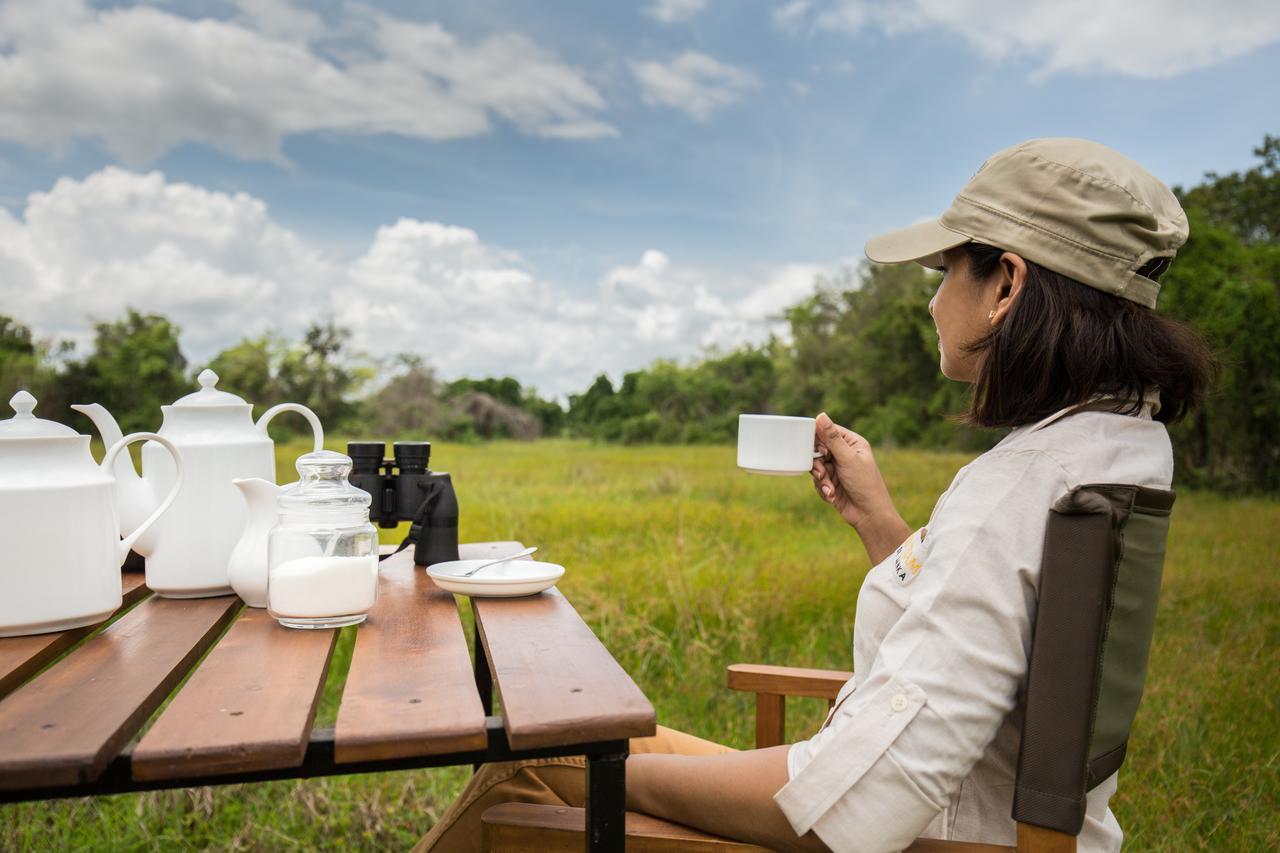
923, 243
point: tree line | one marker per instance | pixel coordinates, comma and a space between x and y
862, 347
135, 365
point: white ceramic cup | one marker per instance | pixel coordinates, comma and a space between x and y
776, 444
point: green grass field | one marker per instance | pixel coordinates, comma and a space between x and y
683, 565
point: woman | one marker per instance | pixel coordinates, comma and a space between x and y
1050, 258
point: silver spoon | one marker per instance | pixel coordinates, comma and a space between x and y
526, 552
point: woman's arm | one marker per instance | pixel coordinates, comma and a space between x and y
848, 478
729, 795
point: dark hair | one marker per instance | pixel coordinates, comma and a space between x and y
1063, 342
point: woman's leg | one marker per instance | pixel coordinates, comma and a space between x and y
545, 781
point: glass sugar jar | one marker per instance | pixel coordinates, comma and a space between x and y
322, 556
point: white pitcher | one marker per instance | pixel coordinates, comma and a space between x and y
61, 528
188, 551
247, 568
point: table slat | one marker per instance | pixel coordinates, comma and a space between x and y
22, 657
557, 681
249, 706
65, 726
410, 689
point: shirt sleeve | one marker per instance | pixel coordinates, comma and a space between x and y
945, 675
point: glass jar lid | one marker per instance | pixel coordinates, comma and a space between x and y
24, 423
323, 487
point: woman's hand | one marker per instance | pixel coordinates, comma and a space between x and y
847, 477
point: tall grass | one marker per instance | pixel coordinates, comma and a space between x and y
683, 565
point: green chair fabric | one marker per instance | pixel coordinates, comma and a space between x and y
1100, 579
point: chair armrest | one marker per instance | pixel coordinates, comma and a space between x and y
546, 829
529, 827
937, 845
787, 680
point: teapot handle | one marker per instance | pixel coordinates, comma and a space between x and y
317, 431
127, 542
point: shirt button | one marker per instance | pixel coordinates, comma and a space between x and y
898, 703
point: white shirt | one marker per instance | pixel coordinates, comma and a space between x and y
923, 740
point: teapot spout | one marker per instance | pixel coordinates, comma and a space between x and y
103, 420
136, 498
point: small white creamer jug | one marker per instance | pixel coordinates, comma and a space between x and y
61, 525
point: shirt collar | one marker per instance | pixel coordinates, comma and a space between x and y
1098, 402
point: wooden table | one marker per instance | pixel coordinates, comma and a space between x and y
413, 698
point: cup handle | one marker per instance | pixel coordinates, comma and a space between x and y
317, 431
818, 454
126, 544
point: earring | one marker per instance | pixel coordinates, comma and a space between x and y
992, 315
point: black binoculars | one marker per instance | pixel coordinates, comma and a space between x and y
405, 489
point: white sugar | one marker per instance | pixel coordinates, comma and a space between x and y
323, 586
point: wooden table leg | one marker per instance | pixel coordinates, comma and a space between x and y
607, 801
484, 678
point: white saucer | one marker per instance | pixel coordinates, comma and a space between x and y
505, 580
773, 473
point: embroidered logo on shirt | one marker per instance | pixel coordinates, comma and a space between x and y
906, 565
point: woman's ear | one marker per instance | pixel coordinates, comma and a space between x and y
1009, 282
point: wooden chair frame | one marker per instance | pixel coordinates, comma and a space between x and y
1103, 556
554, 829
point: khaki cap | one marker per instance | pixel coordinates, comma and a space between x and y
1070, 205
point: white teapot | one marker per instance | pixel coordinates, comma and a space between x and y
187, 552
62, 540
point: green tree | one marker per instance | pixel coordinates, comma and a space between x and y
673, 403
136, 366
505, 389
1230, 292
15, 339
249, 369
864, 349
1246, 203
19, 364
318, 373
1226, 283
550, 414
595, 412
26, 364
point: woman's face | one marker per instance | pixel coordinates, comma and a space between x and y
961, 310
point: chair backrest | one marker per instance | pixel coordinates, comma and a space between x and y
1100, 578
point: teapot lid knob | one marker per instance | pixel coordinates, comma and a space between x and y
23, 403
24, 424
208, 395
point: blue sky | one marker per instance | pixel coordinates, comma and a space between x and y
620, 182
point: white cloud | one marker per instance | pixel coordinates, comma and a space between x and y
221, 268
1140, 38
840, 67
216, 262
694, 83
788, 17
279, 19
672, 11
144, 80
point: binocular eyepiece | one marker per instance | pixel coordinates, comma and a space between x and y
411, 457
